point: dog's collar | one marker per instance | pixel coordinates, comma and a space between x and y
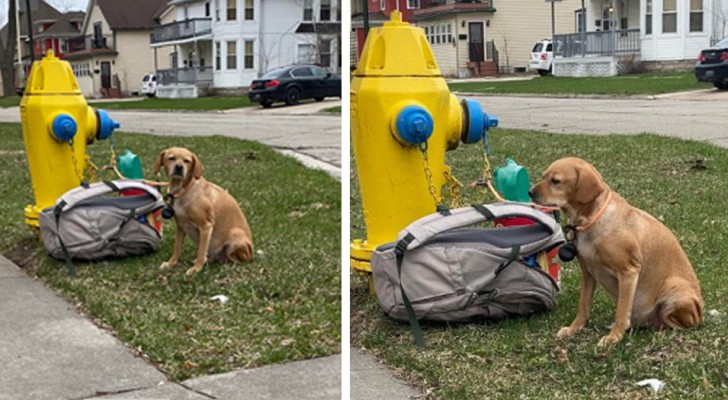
178, 193
582, 228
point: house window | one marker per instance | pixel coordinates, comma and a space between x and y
232, 55
669, 16
308, 10
207, 9
306, 53
249, 10
437, 34
579, 21
325, 53
217, 56
696, 15
231, 10
648, 18
81, 69
64, 46
217, 10
449, 33
325, 10
427, 34
249, 54
382, 4
413, 4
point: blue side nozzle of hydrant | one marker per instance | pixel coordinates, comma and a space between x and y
64, 127
478, 121
414, 125
105, 125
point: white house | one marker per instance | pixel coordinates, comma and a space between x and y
621, 35
222, 45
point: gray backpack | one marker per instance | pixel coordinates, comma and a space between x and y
85, 225
440, 270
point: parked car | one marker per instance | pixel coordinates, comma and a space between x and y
149, 85
542, 57
294, 83
712, 65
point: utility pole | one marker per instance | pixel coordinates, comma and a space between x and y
30, 32
365, 16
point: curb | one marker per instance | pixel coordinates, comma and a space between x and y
560, 96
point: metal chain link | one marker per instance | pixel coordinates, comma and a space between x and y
75, 161
454, 189
486, 176
428, 175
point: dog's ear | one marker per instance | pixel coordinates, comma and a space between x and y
197, 168
159, 162
589, 185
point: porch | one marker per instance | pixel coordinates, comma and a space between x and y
190, 82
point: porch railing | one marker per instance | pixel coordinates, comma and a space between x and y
89, 42
181, 30
194, 75
593, 44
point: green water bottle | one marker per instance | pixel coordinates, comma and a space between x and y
511, 180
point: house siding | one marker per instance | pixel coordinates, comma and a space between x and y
135, 59
522, 23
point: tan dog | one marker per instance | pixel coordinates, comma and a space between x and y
631, 254
204, 211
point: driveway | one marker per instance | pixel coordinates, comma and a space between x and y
302, 131
684, 115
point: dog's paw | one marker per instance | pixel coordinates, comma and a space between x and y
192, 271
166, 265
566, 331
609, 340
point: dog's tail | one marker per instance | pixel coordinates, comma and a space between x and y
681, 313
240, 249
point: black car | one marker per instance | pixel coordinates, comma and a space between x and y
712, 65
294, 83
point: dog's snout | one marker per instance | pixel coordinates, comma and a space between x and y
178, 170
532, 192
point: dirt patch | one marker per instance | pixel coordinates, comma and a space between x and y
23, 254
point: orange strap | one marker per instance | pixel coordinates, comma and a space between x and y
596, 216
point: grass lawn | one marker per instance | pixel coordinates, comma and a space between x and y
10, 101
625, 85
522, 358
335, 109
198, 104
284, 305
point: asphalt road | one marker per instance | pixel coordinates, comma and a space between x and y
302, 129
700, 115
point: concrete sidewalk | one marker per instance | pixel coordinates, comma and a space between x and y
373, 380
51, 352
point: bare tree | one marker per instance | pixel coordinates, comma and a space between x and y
505, 34
720, 14
8, 45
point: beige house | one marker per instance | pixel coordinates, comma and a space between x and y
113, 55
484, 38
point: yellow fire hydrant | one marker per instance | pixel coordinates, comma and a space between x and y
403, 120
57, 126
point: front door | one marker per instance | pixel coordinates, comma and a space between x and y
475, 41
105, 74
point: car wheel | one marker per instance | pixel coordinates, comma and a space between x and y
721, 85
543, 72
318, 98
266, 103
293, 95
150, 94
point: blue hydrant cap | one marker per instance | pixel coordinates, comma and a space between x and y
478, 121
64, 127
106, 125
414, 125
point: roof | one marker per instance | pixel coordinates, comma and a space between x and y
132, 14
450, 9
44, 12
320, 27
64, 27
376, 18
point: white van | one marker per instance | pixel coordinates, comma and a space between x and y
542, 57
149, 85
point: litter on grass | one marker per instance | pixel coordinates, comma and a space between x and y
655, 384
220, 297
